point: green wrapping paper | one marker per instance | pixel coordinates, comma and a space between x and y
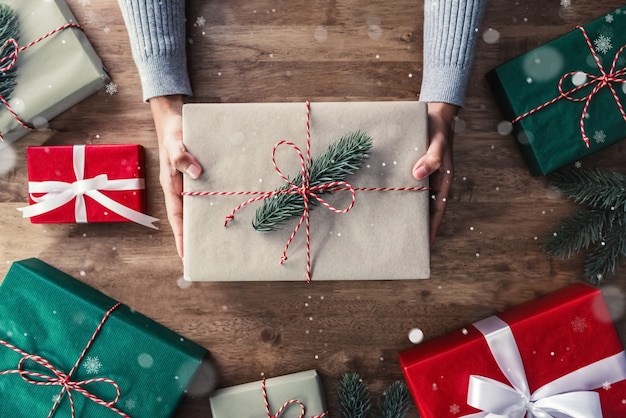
551, 138
47, 313
52, 75
246, 400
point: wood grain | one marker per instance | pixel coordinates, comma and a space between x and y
488, 256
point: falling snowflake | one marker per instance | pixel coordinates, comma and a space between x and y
579, 324
606, 385
566, 3
608, 18
455, 409
107, 29
92, 365
84, 2
200, 21
111, 88
603, 44
130, 404
578, 164
599, 137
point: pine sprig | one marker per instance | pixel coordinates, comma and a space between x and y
354, 399
9, 29
592, 187
395, 401
598, 225
340, 159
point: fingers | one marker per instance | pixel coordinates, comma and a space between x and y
179, 158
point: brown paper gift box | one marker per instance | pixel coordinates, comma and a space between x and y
384, 236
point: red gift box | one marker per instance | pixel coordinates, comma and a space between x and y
558, 355
86, 183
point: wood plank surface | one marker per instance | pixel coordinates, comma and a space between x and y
488, 256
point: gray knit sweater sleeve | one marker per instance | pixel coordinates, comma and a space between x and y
156, 29
450, 33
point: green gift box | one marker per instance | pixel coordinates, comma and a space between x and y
300, 394
565, 93
55, 73
53, 326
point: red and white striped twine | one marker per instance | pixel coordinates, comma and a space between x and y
58, 378
603, 80
10, 50
305, 190
285, 405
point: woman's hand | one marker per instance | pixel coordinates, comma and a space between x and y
173, 159
437, 162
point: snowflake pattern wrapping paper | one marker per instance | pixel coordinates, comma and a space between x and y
52, 75
552, 137
45, 312
247, 400
385, 234
558, 350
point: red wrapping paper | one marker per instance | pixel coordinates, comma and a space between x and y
116, 161
556, 334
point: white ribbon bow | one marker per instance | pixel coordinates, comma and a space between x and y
58, 193
569, 396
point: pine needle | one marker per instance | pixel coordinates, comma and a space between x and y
598, 189
340, 159
354, 399
395, 401
9, 29
598, 225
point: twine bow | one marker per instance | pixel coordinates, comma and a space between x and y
58, 193
305, 190
9, 52
570, 396
285, 405
605, 79
58, 378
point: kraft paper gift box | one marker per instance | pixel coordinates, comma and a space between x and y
385, 234
247, 400
551, 137
52, 75
86, 183
557, 356
47, 319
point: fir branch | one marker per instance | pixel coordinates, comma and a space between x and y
578, 232
354, 399
339, 160
9, 29
395, 401
598, 189
604, 256
598, 225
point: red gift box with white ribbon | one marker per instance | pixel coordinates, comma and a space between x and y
556, 356
86, 183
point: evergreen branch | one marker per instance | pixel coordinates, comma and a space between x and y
354, 399
395, 401
9, 29
604, 256
578, 232
598, 189
340, 159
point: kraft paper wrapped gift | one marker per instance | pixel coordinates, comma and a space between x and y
47, 321
52, 75
555, 356
551, 137
385, 234
247, 400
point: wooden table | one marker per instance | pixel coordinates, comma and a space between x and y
488, 256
